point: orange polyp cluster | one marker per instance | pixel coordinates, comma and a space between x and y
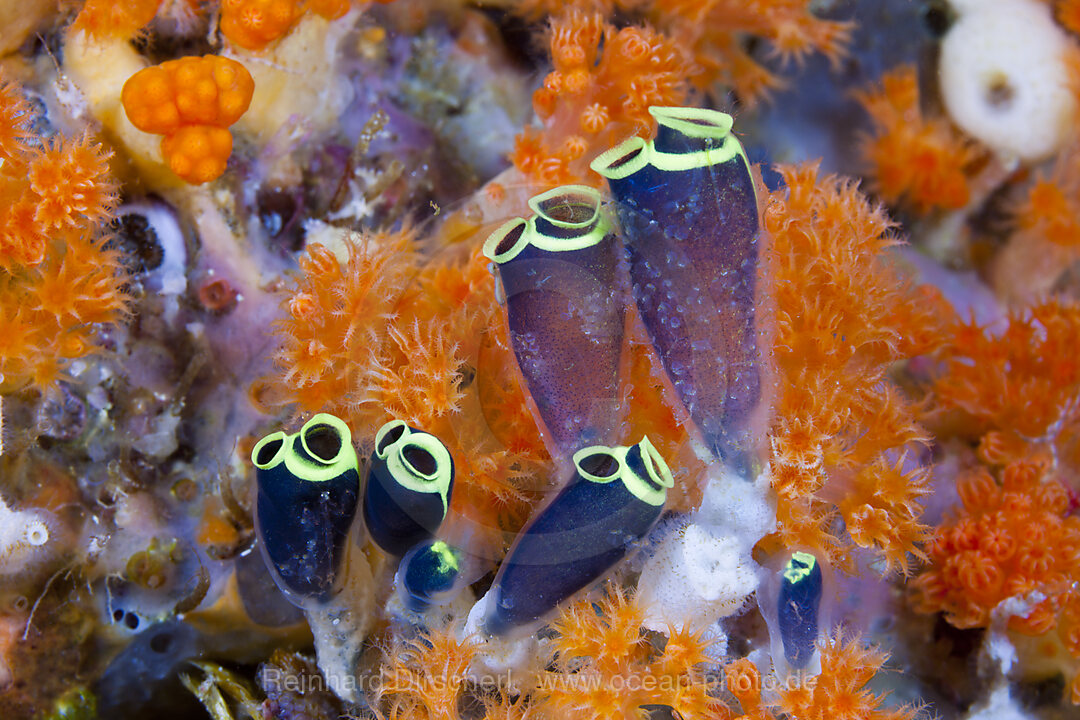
1017, 386
603, 81
122, 18
1017, 539
839, 690
603, 666
919, 162
844, 315
70, 180
192, 102
254, 24
57, 277
422, 677
715, 35
198, 153
1052, 211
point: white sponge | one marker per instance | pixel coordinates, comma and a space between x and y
702, 569
1005, 79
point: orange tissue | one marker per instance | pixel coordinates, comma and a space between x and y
192, 102
254, 24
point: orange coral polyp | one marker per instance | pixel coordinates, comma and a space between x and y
254, 24
72, 180
918, 161
99, 18
1010, 549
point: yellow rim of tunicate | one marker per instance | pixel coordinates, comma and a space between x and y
491, 245
717, 124
639, 487
278, 455
319, 470
678, 162
607, 163
574, 194
794, 573
405, 473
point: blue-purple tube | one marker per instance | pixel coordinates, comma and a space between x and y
558, 277
689, 216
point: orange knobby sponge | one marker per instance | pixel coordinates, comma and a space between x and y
192, 102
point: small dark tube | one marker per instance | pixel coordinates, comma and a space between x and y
308, 491
609, 505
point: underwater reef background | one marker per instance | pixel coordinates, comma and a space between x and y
315, 317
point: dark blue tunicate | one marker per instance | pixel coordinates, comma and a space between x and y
430, 574
610, 503
409, 486
564, 312
797, 611
689, 218
308, 492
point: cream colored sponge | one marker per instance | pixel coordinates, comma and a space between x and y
1004, 77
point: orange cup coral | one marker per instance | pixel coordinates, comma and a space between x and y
253, 24
192, 102
59, 277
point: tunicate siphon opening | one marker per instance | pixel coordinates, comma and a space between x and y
420, 460
694, 122
619, 162
636, 462
509, 240
267, 449
323, 441
569, 206
600, 464
388, 438
658, 473
566, 210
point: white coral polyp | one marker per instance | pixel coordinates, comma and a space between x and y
1005, 79
37, 533
22, 534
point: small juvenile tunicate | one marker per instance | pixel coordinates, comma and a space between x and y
797, 608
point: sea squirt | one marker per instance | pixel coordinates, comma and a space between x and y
408, 490
689, 217
558, 271
614, 498
309, 488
